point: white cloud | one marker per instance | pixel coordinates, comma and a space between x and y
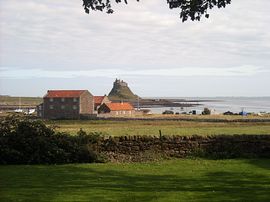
113, 73
145, 38
60, 32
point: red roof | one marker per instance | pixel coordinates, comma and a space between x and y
98, 99
64, 93
120, 106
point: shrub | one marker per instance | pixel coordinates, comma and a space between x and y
206, 111
24, 141
228, 113
168, 112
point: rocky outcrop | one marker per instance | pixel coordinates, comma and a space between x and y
121, 91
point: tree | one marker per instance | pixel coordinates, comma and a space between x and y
193, 9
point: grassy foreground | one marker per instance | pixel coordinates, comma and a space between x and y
174, 180
147, 127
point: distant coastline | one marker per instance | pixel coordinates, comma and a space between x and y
219, 104
159, 104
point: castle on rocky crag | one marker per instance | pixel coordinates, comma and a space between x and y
121, 91
118, 83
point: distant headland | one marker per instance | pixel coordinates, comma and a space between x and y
122, 92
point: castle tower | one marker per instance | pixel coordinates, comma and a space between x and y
119, 82
121, 91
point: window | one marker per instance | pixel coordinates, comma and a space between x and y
51, 106
62, 99
62, 106
74, 99
51, 99
74, 107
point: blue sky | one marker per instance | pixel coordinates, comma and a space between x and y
47, 44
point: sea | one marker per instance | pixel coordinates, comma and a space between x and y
220, 105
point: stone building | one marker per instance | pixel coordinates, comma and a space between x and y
116, 109
67, 104
99, 100
119, 82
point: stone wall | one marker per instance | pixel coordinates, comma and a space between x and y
136, 148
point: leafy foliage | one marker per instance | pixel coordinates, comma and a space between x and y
193, 9
168, 112
24, 141
206, 111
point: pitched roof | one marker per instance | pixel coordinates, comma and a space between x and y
120, 106
98, 99
64, 93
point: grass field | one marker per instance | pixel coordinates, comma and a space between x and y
174, 180
119, 128
31, 101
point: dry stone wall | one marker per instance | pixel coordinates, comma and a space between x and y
136, 148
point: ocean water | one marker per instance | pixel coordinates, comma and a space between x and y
222, 104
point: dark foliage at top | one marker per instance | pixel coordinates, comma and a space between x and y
193, 9
206, 111
24, 141
168, 112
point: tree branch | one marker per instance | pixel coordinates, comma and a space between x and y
189, 9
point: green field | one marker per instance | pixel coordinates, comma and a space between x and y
31, 101
174, 180
119, 128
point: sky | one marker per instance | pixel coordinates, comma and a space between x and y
47, 44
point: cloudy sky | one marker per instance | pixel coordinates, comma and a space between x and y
47, 44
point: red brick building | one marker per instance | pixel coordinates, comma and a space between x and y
67, 104
123, 108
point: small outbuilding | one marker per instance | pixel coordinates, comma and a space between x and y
123, 108
99, 100
196, 112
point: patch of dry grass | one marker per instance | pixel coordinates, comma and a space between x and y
120, 128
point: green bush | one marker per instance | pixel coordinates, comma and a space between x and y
168, 112
24, 141
206, 111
